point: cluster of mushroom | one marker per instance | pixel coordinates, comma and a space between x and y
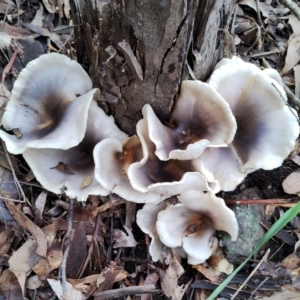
217, 134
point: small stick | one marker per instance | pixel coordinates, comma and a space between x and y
293, 7
14, 175
63, 266
252, 273
262, 201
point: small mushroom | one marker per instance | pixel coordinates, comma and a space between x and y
197, 217
45, 103
200, 119
72, 170
266, 127
146, 219
112, 159
167, 178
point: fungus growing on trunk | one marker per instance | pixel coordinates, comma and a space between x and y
72, 170
200, 119
112, 159
45, 101
167, 178
197, 217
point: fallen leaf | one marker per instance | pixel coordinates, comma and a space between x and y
106, 206
9, 286
50, 5
169, 277
28, 225
34, 282
39, 17
209, 274
150, 279
7, 7
122, 239
295, 23
291, 261
39, 208
6, 238
285, 294
58, 290
54, 255
293, 54
22, 261
291, 185
86, 182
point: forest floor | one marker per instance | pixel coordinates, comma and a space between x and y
85, 241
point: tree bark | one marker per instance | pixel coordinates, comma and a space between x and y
138, 52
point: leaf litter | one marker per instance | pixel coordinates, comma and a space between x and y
107, 253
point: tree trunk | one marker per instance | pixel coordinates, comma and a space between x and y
138, 52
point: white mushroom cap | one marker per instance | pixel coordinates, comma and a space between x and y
222, 165
267, 127
167, 178
112, 159
200, 119
197, 218
182, 232
73, 169
146, 220
44, 100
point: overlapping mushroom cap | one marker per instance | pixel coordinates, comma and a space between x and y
197, 217
200, 119
72, 170
167, 178
112, 159
266, 127
45, 101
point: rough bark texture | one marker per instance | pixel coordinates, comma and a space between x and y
138, 52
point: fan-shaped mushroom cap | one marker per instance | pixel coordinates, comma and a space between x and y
197, 218
222, 165
167, 178
44, 105
72, 170
200, 119
112, 159
267, 127
146, 220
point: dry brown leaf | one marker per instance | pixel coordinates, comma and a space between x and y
15, 32
291, 185
293, 54
106, 206
39, 17
28, 225
54, 255
50, 5
42, 268
295, 23
6, 238
9, 286
122, 239
169, 277
39, 208
209, 274
150, 279
34, 282
7, 7
291, 261
73, 294
283, 295
83, 284
86, 182
22, 261
50, 232
67, 8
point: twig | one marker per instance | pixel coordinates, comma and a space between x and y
259, 286
14, 175
293, 7
63, 266
291, 96
258, 14
130, 290
64, 44
263, 201
91, 248
252, 273
265, 53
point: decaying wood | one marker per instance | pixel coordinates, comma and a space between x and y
137, 53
